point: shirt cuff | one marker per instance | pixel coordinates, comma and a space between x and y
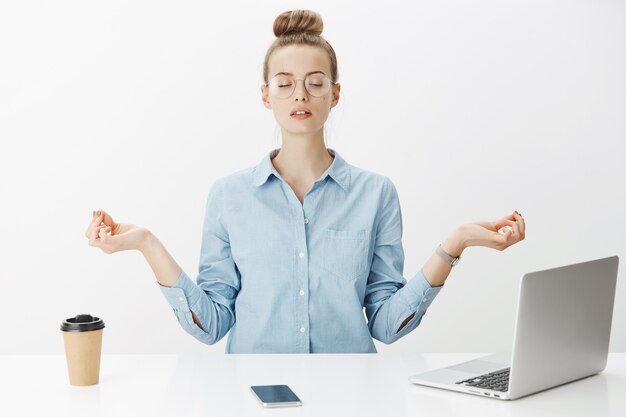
419, 293
183, 293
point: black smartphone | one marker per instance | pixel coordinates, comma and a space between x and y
275, 396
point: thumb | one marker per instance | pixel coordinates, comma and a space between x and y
108, 220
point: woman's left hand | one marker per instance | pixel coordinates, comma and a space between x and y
497, 235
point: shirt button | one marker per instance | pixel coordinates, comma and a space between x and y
180, 298
425, 299
301, 255
302, 329
306, 221
301, 292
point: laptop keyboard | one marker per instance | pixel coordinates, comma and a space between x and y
496, 381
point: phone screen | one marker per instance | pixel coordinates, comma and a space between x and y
276, 395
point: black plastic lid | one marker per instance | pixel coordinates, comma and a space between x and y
82, 323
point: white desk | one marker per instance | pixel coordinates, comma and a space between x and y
329, 385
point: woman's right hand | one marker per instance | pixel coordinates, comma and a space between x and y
104, 233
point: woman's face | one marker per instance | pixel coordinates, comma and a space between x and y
300, 60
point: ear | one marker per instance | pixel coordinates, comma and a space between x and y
336, 90
265, 98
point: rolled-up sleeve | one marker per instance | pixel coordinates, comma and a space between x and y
389, 299
212, 296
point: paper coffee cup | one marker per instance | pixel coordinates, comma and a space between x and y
82, 336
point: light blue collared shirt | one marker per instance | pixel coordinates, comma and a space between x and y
291, 277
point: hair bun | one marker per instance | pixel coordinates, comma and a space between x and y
298, 21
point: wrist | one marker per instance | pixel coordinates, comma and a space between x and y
147, 241
454, 245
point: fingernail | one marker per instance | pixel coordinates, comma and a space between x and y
99, 212
93, 213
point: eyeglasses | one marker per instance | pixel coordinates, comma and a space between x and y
283, 86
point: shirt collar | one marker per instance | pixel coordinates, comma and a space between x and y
338, 169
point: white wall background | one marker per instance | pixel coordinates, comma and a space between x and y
473, 109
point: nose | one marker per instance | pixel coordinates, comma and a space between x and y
300, 92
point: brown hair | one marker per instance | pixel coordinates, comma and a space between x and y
300, 27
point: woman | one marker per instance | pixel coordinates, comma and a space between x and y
294, 248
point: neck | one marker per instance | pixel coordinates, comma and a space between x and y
302, 157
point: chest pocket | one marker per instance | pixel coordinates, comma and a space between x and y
345, 253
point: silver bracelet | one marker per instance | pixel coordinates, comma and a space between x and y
446, 257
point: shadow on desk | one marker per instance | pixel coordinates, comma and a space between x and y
196, 384
328, 385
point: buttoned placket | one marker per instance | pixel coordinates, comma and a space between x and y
302, 213
302, 271
302, 274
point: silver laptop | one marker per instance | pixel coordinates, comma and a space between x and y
561, 334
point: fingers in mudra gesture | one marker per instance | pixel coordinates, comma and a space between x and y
498, 234
104, 233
